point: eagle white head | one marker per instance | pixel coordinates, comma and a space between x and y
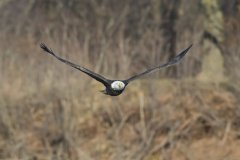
117, 85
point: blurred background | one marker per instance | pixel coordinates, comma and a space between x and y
186, 112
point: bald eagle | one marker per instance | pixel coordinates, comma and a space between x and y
115, 87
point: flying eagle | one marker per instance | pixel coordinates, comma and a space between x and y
115, 87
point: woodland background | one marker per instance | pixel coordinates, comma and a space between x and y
187, 112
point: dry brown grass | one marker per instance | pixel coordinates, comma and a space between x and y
178, 120
50, 111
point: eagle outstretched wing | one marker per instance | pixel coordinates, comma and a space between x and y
171, 62
84, 70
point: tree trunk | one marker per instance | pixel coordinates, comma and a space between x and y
169, 16
213, 62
